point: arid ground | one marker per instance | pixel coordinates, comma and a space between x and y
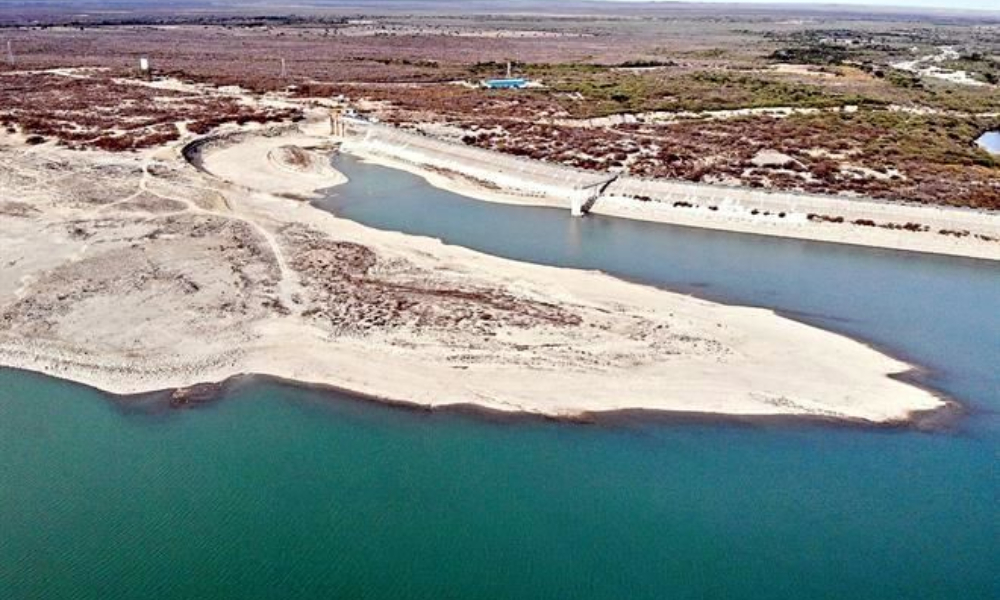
884, 104
133, 266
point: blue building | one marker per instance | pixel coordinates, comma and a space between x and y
514, 83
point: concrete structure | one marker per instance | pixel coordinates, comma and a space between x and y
337, 126
686, 203
576, 188
515, 83
506, 83
581, 205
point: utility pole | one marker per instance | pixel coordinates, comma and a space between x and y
284, 72
10, 53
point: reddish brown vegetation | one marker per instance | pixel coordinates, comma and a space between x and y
96, 111
934, 157
250, 56
873, 153
350, 294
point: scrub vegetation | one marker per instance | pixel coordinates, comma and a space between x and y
845, 98
99, 111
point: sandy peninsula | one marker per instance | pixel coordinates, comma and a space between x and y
142, 271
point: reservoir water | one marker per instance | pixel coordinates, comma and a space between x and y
990, 141
940, 312
278, 491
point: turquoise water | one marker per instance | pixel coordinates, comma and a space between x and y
277, 492
283, 492
990, 141
940, 312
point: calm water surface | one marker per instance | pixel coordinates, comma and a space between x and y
990, 141
281, 492
941, 312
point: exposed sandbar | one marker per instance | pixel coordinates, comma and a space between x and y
134, 273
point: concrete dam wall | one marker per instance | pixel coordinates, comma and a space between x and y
512, 174
576, 187
756, 204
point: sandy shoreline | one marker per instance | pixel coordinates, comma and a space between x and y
218, 278
193, 396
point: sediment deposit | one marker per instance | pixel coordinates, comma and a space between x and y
137, 272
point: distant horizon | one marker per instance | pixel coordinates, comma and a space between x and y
986, 8
980, 5
984, 5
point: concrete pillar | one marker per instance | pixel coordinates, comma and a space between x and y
337, 126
